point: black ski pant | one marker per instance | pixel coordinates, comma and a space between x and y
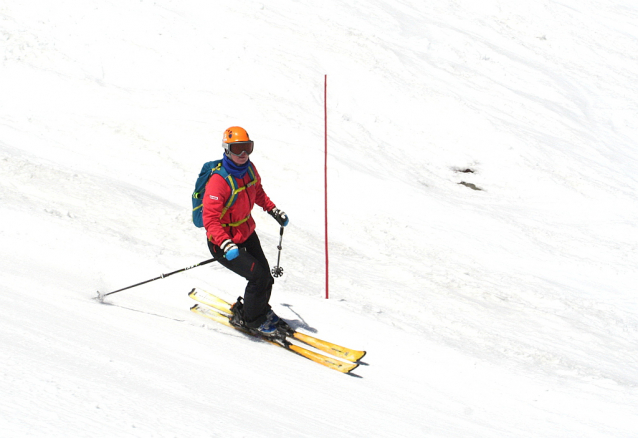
253, 266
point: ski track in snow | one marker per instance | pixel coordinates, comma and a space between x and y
502, 311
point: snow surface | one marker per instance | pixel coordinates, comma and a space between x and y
501, 312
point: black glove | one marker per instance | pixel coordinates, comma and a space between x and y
280, 216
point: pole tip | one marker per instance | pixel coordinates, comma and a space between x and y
100, 297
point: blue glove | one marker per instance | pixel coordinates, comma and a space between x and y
280, 216
231, 251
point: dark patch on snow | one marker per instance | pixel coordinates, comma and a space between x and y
464, 170
470, 185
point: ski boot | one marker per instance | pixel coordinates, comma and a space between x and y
237, 318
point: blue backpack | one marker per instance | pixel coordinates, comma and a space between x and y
209, 169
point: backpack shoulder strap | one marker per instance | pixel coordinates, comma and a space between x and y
253, 175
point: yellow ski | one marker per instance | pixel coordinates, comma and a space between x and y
328, 347
335, 364
209, 299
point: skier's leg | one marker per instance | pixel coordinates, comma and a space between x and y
253, 266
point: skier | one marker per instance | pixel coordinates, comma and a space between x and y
231, 230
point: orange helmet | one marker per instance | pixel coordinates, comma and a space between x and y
235, 134
236, 141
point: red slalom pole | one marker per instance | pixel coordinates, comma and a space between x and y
325, 169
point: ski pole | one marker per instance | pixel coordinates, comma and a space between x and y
278, 271
100, 295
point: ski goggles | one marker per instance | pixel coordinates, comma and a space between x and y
240, 147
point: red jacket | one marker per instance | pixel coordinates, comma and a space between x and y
215, 197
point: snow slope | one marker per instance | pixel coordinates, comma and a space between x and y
505, 311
